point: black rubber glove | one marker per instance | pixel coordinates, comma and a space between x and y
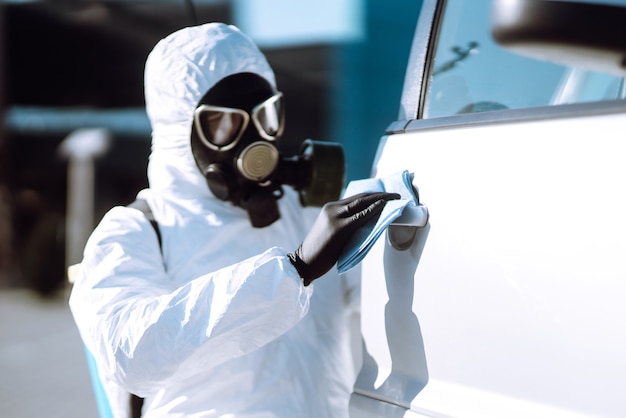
332, 229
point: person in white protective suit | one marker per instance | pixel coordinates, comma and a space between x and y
229, 315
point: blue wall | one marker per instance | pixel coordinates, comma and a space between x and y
369, 78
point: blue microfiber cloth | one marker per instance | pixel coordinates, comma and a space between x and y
366, 236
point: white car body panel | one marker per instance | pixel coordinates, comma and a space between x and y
512, 301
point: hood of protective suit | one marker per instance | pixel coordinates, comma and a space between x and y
211, 319
179, 71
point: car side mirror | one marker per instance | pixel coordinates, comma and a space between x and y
587, 35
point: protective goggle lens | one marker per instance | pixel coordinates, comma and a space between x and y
269, 117
221, 127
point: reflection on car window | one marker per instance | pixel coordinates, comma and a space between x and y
471, 73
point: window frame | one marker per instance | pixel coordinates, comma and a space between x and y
417, 79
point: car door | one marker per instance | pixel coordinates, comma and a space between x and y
511, 301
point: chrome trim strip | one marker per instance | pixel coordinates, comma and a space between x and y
516, 115
397, 127
414, 76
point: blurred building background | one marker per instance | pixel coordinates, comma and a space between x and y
69, 64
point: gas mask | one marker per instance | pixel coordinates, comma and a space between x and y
234, 140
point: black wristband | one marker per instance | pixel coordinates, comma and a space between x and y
300, 268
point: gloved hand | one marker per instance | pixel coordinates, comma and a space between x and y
332, 229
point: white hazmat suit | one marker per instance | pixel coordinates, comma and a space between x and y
217, 322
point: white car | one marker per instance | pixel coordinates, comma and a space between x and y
511, 302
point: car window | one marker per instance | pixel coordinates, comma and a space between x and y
470, 73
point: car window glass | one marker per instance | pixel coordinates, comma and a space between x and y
471, 73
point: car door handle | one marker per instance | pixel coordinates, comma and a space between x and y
401, 232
